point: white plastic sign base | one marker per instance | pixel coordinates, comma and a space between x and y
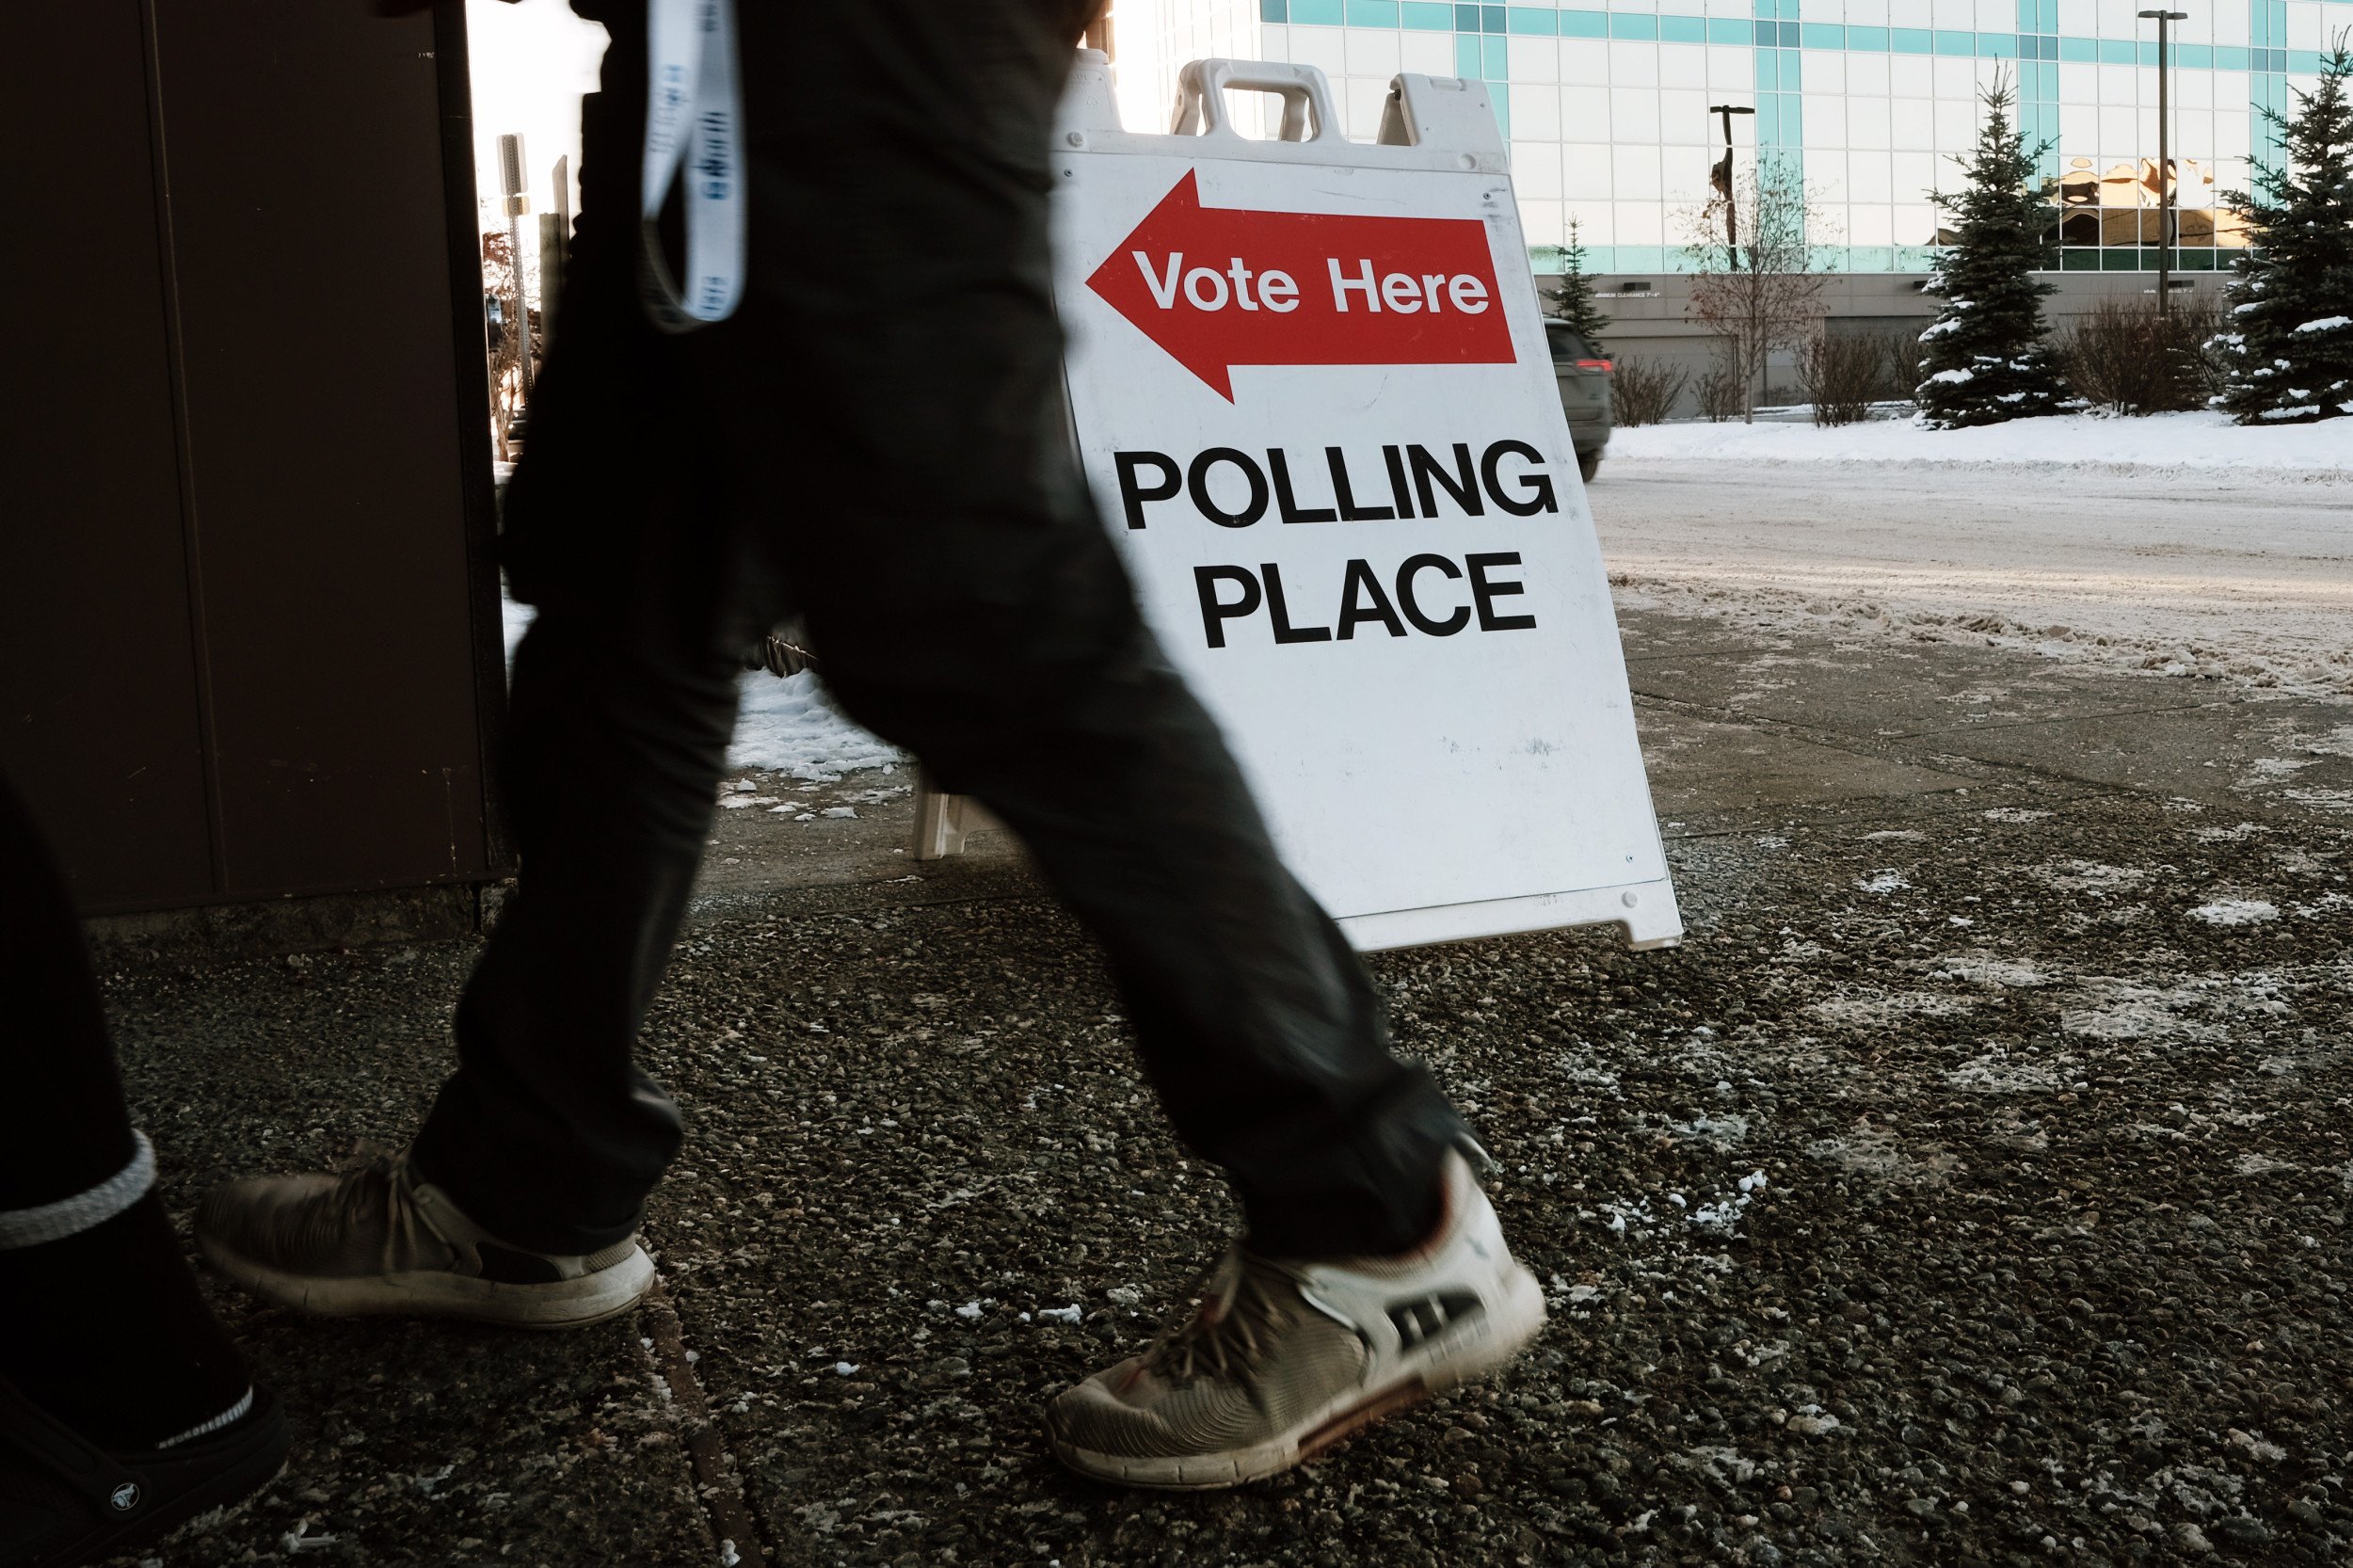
1309, 385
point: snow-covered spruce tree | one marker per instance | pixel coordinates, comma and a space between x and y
1574, 301
1983, 360
2290, 345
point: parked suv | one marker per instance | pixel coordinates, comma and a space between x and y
1584, 377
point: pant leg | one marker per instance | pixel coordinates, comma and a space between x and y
101, 1322
63, 1127
967, 604
622, 701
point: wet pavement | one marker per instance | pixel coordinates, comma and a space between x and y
1970, 1187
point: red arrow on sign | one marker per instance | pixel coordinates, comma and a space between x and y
1224, 286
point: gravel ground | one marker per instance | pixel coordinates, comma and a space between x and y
1970, 1188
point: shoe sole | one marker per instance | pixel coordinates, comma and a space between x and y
1517, 1321
556, 1305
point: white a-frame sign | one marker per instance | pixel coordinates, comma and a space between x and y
1311, 390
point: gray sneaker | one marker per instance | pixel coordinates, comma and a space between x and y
1283, 1360
376, 1241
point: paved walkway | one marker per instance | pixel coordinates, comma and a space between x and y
2024, 989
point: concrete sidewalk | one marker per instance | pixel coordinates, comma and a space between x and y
2024, 989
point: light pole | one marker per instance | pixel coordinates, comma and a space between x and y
2165, 164
1720, 177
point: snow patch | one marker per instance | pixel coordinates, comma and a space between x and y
2235, 911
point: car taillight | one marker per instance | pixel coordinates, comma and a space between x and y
1593, 364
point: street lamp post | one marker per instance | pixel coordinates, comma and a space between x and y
1720, 177
2165, 164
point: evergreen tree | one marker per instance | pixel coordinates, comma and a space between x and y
1984, 359
1574, 301
2290, 350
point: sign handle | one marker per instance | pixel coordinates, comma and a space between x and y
1202, 85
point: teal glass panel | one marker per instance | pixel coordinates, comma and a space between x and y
1725, 29
2149, 54
1768, 118
1500, 95
1527, 19
1911, 41
2079, 49
2046, 16
1768, 70
1426, 16
1873, 40
1792, 72
2115, 50
1682, 29
1271, 11
1624, 24
1768, 34
1467, 56
2196, 56
1956, 43
1317, 13
1372, 13
2304, 61
2026, 16
1792, 120
1495, 53
1590, 25
1466, 19
1491, 19
1998, 46
2079, 261
1823, 34
1641, 258
1871, 258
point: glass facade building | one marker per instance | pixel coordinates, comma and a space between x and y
1608, 109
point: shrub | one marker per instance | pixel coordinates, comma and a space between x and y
1843, 375
1644, 394
2130, 357
1723, 393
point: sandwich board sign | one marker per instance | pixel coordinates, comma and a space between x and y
1311, 390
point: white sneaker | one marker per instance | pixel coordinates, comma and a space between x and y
1283, 1360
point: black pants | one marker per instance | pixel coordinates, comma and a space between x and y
63, 1126
876, 440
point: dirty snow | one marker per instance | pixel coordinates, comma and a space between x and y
2240, 574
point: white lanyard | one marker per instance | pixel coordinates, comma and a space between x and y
693, 117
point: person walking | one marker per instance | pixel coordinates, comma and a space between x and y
125, 1410
875, 442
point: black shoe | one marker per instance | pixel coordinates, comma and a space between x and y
63, 1501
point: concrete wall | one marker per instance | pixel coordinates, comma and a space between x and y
1655, 324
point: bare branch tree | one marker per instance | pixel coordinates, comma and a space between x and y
1764, 294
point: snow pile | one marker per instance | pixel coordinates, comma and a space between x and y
2193, 441
790, 727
